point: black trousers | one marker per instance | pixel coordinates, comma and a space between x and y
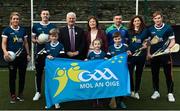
166, 62
39, 65
139, 62
20, 64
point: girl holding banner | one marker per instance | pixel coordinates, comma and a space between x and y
97, 53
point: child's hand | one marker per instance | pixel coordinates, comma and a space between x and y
85, 59
50, 57
105, 58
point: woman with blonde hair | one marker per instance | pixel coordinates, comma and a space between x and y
14, 38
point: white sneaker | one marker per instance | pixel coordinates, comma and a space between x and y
155, 95
132, 94
171, 97
136, 95
36, 96
57, 106
45, 107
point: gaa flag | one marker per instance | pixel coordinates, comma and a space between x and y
70, 80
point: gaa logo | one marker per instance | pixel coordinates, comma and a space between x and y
76, 75
86, 76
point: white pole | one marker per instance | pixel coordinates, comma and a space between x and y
137, 7
32, 45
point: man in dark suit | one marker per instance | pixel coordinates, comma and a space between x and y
73, 39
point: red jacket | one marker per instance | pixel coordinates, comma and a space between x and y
100, 35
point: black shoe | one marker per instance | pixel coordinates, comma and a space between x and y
122, 105
20, 98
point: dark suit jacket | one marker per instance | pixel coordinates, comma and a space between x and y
80, 41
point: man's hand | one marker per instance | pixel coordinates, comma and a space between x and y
37, 41
70, 54
167, 50
76, 53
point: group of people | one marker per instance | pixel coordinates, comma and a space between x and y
73, 42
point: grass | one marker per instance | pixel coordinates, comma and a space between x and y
145, 103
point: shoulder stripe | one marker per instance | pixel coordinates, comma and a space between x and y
25, 36
4, 36
33, 34
110, 28
171, 37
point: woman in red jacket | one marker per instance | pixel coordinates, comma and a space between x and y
95, 32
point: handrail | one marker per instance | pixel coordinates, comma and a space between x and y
81, 22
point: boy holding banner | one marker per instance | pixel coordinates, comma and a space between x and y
54, 49
166, 39
115, 49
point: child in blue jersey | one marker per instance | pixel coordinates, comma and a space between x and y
166, 40
54, 48
14, 38
43, 27
97, 53
117, 48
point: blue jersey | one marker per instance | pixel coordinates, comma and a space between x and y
54, 49
164, 33
112, 29
94, 55
40, 28
15, 38
115, 50
136, 40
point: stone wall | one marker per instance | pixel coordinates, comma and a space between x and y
22, 6
103, 9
